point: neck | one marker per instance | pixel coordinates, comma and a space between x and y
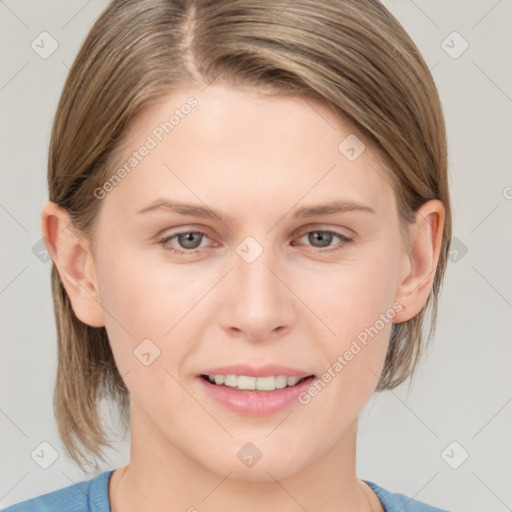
161, 477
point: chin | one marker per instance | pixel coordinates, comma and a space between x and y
261, 461
261, 472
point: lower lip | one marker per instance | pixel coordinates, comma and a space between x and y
254, 403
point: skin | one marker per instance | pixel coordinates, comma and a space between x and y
257, 159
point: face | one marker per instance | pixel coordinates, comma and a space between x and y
259, 276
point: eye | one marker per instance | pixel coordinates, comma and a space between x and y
188, 241
323, 238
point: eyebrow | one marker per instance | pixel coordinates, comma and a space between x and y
330, 208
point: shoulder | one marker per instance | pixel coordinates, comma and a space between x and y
395, 502
86, 496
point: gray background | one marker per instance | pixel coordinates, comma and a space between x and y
463, 390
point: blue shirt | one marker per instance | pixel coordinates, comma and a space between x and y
92, 496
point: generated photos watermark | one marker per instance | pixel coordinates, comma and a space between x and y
357, 345
151, 142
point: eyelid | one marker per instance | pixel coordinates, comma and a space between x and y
167, 236
169, 232
322, 227
298, 232
344, 239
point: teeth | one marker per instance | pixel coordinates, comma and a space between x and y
265, 383
231, 380
254, 383
246, 382
280, 381
291, 381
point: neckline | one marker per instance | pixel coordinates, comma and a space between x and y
378, 492
373, 486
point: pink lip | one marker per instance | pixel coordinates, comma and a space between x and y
254, 403
270, 370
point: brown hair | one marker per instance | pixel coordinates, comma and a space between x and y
351, 55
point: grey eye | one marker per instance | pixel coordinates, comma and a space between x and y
323, 237
190, 240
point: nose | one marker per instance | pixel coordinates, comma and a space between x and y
258, 305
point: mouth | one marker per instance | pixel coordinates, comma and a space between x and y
251, 391
256, 384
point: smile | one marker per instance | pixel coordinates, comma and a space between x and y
245, 382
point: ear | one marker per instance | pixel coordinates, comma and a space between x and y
420, 259
72, 257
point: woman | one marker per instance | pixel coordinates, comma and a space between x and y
248, 217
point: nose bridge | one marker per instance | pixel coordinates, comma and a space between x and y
259, 302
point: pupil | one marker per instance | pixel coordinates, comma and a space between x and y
187, 240
323, 237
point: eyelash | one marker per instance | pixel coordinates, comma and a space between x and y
344, 239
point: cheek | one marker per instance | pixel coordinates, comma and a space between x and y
147, 337
356, 304
146, 298
353, 358
148, 308
354, 294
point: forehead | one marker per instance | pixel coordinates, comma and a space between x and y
235, 144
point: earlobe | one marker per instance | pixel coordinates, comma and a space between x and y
421, 261
71, 255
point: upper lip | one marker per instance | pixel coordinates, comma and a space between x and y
268, 370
